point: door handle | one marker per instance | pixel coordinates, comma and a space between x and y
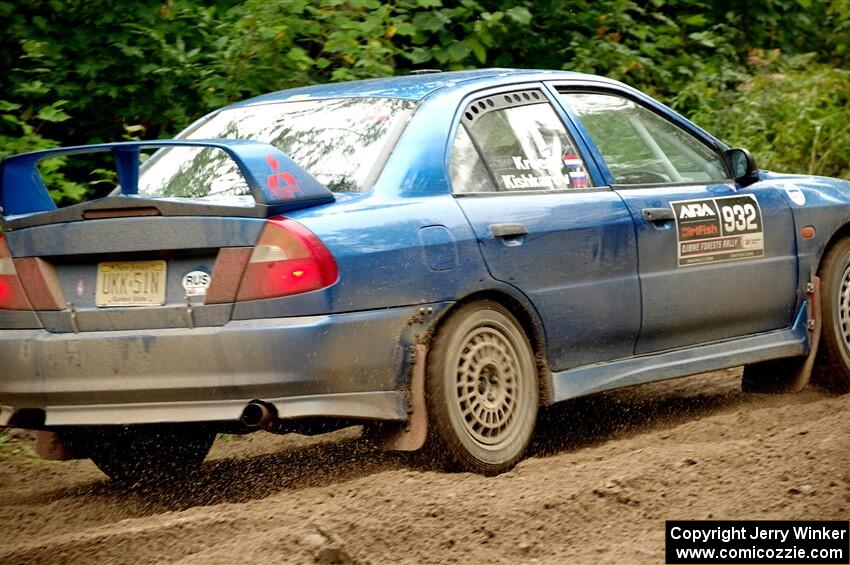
658, 214
508, 230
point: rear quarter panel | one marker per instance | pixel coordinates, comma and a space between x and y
387, 256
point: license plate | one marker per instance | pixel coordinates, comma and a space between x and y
130, 283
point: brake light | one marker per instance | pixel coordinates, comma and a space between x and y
287, 259
12, 295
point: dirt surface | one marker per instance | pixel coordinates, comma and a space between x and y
602, 476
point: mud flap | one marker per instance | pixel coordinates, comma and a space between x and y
789, 375
49, 446
412, 436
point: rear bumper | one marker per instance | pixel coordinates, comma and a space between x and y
345, 365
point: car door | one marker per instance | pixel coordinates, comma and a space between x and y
717, 260
543, 226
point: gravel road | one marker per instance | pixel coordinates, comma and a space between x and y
602, 476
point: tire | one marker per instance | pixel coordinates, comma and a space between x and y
481, 390
135, 455
832, 365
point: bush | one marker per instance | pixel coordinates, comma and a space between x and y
153, 66
20, 134
793, 114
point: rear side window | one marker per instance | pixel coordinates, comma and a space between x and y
641, 147
519, 143
468, 171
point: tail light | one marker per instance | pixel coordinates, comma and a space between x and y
12, 295
287, 259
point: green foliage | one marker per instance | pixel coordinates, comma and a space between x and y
656, 45
79, 72
792, 114
9, 446
20, 133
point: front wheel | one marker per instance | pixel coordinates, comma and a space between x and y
146, 454
832, 365
481, 390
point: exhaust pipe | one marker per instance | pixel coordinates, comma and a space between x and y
256, 415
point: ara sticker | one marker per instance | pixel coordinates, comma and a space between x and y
196, 283
718, 229
795, 195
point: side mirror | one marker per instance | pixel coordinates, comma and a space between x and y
743, 166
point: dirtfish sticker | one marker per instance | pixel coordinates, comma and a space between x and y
718, 229
196, 283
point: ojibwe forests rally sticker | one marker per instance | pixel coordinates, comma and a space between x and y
718, 229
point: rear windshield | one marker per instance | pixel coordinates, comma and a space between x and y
342, 142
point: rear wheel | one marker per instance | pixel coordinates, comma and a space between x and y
832, 367
147, 454
481, 390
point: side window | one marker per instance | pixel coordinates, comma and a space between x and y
519, 143
641, 147
468, 171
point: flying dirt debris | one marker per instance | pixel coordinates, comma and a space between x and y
690, 449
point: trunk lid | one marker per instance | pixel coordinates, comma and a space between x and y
99, 268
128, 262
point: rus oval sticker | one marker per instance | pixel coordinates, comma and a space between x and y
196, 283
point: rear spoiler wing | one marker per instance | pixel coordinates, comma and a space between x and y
275, 180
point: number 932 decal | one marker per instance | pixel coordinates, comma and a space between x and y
718, 229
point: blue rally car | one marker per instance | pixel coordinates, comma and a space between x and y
434, 256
